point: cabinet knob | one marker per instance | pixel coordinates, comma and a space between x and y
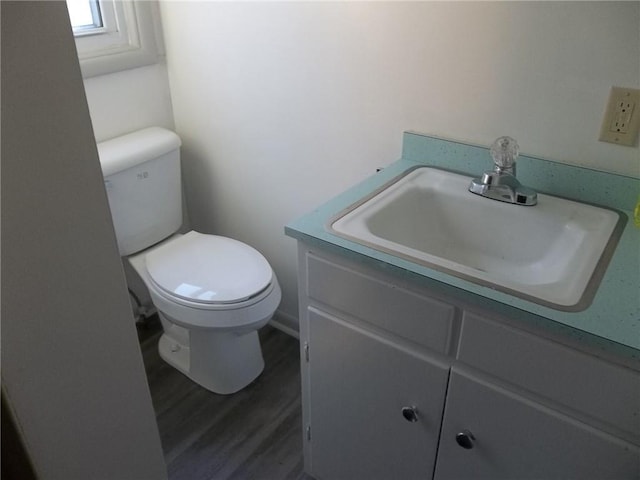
410, 414
465, 439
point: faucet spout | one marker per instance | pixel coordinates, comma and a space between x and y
501, 182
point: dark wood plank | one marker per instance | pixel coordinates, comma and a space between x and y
253, 434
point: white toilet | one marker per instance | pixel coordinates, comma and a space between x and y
212, 293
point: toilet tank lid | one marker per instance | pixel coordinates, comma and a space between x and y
135, 148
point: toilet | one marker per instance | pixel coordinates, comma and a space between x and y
212, 293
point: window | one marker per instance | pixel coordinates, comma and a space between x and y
86, 17
113, 35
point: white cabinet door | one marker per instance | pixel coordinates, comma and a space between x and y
359, 385
517, 438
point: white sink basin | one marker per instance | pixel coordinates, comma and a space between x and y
554, 253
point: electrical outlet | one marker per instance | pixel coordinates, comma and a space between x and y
622, 119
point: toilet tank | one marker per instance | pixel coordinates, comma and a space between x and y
142, 178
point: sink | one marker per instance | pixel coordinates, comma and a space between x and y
554, 253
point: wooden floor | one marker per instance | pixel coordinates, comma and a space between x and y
253, 434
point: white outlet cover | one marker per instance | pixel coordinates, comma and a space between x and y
621, 121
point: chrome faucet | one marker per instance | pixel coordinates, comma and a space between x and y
501, 182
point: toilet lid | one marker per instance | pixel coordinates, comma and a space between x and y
208, 269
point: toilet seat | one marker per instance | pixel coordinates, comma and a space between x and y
208, 270
239, 316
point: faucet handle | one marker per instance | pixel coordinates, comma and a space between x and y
504, 152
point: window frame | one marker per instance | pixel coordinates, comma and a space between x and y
126, 40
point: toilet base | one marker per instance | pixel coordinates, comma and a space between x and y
222, 362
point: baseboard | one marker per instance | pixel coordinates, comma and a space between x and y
282, 322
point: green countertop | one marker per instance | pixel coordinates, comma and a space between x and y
611, 322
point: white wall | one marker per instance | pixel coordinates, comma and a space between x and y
129, 100
283, 105
72, 369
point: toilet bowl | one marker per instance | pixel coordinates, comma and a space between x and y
212, 293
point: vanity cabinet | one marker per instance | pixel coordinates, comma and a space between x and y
363, 394
511, 436
402, 381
